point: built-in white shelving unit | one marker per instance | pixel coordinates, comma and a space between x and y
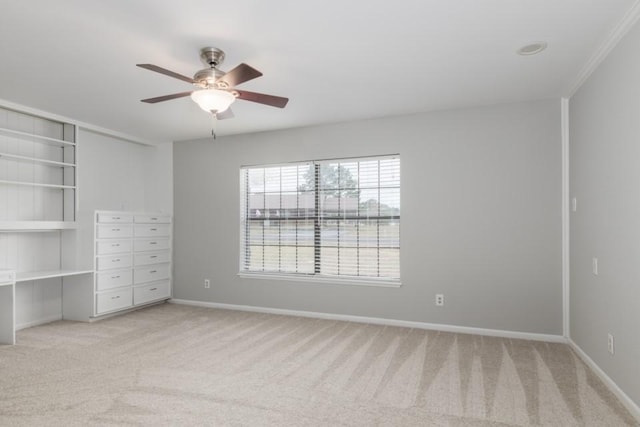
38, 171
38, 210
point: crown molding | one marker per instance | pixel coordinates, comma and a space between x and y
608, 44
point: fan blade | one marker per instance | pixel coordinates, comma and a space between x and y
261, 98
242, 73
166, 72
166, 97
226, 114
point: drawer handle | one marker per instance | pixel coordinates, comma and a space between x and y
153, 271
115, 229
115, 217
115, 245
115, 260
153, 219
153, 229
116, 297
153, 243
153, 256
115, 277
153, 289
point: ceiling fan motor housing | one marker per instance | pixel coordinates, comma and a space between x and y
211, 56
207, 77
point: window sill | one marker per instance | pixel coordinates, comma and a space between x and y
326, 280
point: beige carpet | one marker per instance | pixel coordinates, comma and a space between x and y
179, 365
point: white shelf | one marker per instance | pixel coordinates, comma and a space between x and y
37, 225
36, 184
36, 160
35, 138
7, 277
26, 276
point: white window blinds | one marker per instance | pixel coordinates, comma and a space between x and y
336, 218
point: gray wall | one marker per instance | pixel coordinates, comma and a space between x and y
605, 177
118, 175
481, 217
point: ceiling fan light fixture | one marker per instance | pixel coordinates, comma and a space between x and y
213, 99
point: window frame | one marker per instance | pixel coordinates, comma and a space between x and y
316, 276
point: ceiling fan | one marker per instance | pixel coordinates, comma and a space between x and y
216, 89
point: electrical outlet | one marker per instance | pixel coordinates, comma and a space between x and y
574, 204
610, 345
439, 300
594, 265
207, 284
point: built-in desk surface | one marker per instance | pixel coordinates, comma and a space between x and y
8, 280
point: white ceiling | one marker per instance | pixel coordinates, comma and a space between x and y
335, 60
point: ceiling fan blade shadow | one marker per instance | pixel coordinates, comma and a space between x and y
166, 72
166, 97
242, 73
226, 114
261, 98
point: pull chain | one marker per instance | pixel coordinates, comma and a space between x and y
214, 122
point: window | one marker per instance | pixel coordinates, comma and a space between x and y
325, 219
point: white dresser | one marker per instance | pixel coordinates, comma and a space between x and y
132, 260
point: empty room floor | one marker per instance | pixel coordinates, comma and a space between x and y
181, 365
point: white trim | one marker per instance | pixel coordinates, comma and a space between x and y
608, 44
377, 321
628, 403
38, 322
322, 161
87, 126
131, 309
323, 279
566, 255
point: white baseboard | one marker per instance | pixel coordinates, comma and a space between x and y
37, 322
631, 406
379, 321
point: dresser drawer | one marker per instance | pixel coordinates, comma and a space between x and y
151, 230
114, 218
106, 247
114, 231
150, 274
150, 244
151, 292
113, 261
152, 219
113, 279
114, 300
151, 258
